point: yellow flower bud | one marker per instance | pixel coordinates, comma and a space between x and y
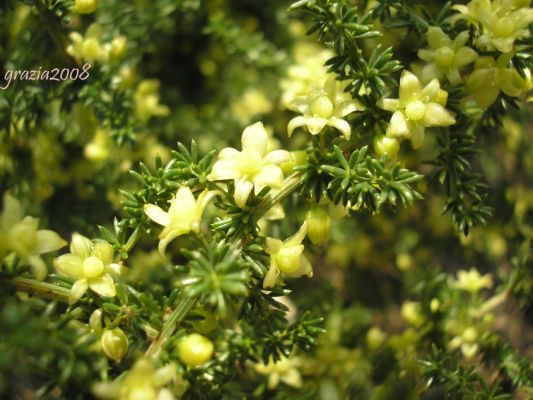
85, 6
114, 343
95, 320
195, 350
318, 225
386, 145
434, 305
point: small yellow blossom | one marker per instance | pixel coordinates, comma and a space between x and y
472, 281
491, 77
99, 147
184, 215
88, 47
23, 237
318, 225
444, 56
386, 145
287, 258
142, 381
91, 265
412, 312
466, 341
502, 21
147, 101
416, 109
253, 167
326, 106
284, 370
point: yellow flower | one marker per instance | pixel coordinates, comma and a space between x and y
142, 381
252, 102
444, 56
184, 215
195, 350
23, 237
253, 167
286, 257
284, 370
91, 264
503, 21
327, 106
491, 77
147, 101
417, 108
472, 281
88, 48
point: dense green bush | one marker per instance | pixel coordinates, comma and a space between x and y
206, 199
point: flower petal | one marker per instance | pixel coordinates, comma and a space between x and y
243, 188
78, 289
389, 104
298, 237
342, 126
269, 175
315, 125
397, 126
38, 267
437, 38
48, 241
271, 277
11, 214
170, 233
69, 265
80, 245
228, 153
224, 170
156, 214
465, 56
277, 157
104, 251
417, 136
347, 107
103, 285
295, 123
410, 87
437, 115
255, 137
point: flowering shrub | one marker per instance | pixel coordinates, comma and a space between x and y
320, 199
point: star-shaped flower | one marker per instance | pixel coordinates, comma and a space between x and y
327, 106
417, 108
183, 216
253, 167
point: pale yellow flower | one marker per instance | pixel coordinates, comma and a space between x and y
502, 21
253, 167
444, 56
284, 370
416, 109
472, 281
184, 215
22, 236
85, 6
326, 106
287, 258
91, 265
146, 99
490, 77
142, 381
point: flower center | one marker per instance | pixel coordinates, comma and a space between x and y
322, 107
444, 56
92, 267
249, 163
504, 27
415, 110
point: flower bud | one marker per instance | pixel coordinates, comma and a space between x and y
375, 337
195, 350
386, 145
85, 6
114, 343
318, 225
95, 320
